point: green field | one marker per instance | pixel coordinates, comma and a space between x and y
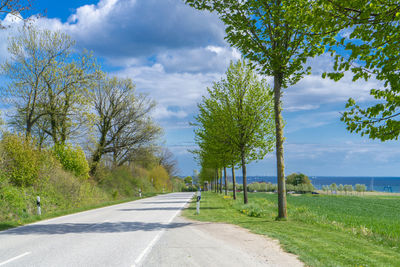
323, 230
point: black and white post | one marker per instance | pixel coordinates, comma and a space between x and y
140, 192
198, 201
39, 212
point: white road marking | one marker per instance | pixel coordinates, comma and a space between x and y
15, 258
146, 251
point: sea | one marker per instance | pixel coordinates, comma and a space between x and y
382, 184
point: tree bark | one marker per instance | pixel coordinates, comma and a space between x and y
282, 213
226, 182
216, 181
244, 173
220, 181
234, 182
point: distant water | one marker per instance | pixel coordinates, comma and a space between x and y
383, 184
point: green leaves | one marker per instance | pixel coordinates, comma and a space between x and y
237, 116
369, 49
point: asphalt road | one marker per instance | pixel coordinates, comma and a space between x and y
119, 235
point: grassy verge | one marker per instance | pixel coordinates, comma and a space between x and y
33, 218
322, 230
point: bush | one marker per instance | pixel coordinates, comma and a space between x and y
178, 184
120, 182
72, 159
160, 178
19, 159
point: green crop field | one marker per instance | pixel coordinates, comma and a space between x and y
323, 230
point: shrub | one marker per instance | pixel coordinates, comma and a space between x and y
72, 159
160, 178
19, 159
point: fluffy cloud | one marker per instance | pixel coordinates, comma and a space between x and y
140, 29
170, 90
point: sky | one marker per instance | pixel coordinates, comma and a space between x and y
173, 52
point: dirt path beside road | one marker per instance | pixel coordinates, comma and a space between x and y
216, 244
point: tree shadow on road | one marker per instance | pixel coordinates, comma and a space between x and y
165, 202
85, 228
155, 208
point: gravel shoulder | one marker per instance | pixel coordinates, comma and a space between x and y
216, 244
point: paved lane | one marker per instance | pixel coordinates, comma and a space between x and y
119, 235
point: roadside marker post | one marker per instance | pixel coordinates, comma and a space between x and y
198, 201
140, 193
39, 212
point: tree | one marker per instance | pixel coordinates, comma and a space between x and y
278, 36
178, 185
66, 91
297, 179
48, 84
333, 188
188, 180
123, 123
369, 50
348, 188
167, 159
216, 150
241, 105
340, 188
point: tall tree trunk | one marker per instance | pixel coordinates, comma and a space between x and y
216, 181
98, 154
234, 181
226, 182
220, 181
244, 177
53, 124
28, 130
282, 213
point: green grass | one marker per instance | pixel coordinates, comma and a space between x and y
47, 215
323, 230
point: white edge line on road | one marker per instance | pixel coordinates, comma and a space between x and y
15, 258
146, 251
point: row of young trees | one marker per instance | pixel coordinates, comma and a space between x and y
360, 188
235, 123
59, 96
278, 37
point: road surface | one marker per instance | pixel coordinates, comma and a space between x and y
145, 232
119, 235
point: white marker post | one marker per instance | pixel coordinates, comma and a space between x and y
140, 193
198, 201
39, 212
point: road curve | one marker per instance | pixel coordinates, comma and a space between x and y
119, 235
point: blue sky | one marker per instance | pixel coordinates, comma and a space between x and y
173, 52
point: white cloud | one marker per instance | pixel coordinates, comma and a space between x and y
181, 90
132, 29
